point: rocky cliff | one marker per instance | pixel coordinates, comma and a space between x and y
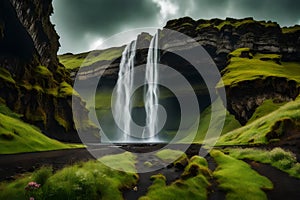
256, 59
32, 82
220, 38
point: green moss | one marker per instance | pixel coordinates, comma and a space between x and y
23, 137
245, 69
192, 184
277, 157
122, 162
178, 158
65, 89
89, 180
197, 165
38, 88
202, 26
239, 23
6, 111
61, 120
258, 131
293, 29
237, 178
199, 160
71, 61
6, 76
44, 71
267, 107
26, 85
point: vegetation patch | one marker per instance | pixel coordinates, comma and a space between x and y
237, 178
292, 29
260, 66
234, 23
73, 61
89, 180
178, 158
264, 129
193, 183
17, 136
6, 76
265, 108
44, 71
283, 160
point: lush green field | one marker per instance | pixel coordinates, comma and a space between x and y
16, 136
73, 61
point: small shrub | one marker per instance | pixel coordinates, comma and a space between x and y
279, 154
42, 175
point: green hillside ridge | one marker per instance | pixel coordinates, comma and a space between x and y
73, 61
267, 107
239, 23
16, 136
258, 66
266, 128
283, 160
270, 119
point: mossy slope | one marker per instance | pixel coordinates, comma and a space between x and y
17, 136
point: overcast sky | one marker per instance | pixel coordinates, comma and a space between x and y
83, 24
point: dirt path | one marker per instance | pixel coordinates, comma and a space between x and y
12, 165
285, 187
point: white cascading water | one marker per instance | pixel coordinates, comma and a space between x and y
124, 86
124, 89
151, 93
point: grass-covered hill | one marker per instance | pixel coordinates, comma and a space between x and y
17, 136
266, 87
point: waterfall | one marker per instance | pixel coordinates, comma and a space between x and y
124, 89
151, 93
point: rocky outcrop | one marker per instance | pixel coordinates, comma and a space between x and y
244, 98
32, 82
220, 37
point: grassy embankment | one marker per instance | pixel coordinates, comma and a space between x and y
270, 119
277, 157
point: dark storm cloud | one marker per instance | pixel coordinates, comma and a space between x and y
285, 12
80, 22
75, 19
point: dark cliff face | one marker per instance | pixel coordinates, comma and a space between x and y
220, 37
33, 83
